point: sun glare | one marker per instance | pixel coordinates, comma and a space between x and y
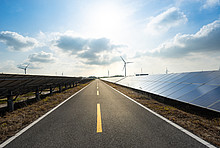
106, 19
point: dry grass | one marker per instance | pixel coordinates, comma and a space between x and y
13, 122
23, 97
207, 128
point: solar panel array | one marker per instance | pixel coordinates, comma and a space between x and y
113, 79
197, 88
21, 84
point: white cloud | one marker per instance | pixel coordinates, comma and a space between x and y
8, 67
206, 40
38, 60
17, 42
92, 51
72, 44
211, 4
163, 22
42, 57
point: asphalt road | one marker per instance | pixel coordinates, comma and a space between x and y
123, 123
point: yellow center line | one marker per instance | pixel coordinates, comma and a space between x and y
99, 120
97, 92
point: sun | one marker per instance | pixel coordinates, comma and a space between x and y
106, 19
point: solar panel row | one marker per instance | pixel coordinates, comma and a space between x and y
197, 88
21, 84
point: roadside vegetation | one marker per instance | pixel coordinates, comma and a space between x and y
205, 127
14, 121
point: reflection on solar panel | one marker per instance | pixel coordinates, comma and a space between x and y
197, 88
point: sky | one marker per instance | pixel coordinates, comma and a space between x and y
87, 37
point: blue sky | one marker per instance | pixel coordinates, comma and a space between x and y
83, 37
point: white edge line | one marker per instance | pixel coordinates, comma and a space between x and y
36, 121
168, 121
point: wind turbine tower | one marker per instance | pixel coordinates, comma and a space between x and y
125, 64
167, 71
25, 68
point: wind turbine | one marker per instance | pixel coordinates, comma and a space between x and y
25, 68
125, 63
167, 70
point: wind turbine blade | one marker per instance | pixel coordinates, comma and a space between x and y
129, 62
27, 65
21, 67
123, 59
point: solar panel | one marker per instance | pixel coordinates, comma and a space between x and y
215, 81
151, 81
202, 77
208, 99
21, 84
113, 79
188, 76
184, 88
159, 82
173, 89
193, 83
165, 90
182, 83
215, 106
163, 83
197, 88
197, 92
170, 83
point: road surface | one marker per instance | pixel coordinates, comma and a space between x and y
99, 116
